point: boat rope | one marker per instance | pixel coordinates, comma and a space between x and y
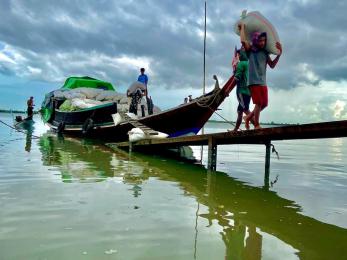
229, 122
18, 130
274, 181
207, 101
274, 151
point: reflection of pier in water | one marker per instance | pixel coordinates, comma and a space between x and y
243, 211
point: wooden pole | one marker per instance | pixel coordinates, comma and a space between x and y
204, 82
212, 154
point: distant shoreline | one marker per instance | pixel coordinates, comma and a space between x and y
209, 121
15, 111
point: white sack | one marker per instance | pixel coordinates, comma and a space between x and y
255, 21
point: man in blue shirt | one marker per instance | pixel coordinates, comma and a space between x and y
143, 77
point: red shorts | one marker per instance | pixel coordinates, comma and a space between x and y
259, 95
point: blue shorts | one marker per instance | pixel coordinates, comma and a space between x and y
244, 101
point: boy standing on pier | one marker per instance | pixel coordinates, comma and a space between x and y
243, 93
258, 59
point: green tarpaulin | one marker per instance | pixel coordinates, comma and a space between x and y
72, 83
86, 82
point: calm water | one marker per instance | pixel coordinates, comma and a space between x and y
62, 198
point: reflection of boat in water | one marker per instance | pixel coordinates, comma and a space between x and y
246, 214
84, 161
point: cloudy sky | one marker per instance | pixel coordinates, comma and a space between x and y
43, 42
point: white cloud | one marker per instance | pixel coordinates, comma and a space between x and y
325, 101
4, 58
338, 108
306, 72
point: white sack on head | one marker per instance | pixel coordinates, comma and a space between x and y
256, 22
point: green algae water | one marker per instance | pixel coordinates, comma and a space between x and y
66, 198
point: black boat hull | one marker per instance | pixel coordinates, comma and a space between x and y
186, 119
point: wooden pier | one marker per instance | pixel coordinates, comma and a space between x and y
263, 136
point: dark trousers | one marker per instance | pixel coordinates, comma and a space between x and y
30, 111
135, 98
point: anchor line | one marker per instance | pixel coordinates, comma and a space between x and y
18, 130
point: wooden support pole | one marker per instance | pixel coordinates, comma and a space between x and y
267, 163
212, 154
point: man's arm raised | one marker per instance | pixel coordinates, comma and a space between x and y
244, 42
272, 63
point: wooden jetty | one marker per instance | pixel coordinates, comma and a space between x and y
263, 136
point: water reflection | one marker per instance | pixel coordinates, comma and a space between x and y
246, 216
28, 140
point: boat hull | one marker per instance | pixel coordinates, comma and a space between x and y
186, 119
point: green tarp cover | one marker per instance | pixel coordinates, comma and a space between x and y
86, 82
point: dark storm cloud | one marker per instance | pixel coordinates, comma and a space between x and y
59, 38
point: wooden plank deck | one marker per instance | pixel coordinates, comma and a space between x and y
260, 136
331, 129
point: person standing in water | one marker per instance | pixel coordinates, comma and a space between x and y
258, 59
30, 109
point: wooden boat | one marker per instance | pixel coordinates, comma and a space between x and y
25, 123
97, 122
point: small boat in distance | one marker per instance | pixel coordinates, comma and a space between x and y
25, 123
97, 122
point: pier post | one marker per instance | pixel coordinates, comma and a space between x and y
212, 154
130, 147
267, 163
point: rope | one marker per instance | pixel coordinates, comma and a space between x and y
274, 151
209, 100
16, 129
233, 124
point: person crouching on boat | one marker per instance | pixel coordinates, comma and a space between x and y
30, 109
243, 93
135, 92
258, 59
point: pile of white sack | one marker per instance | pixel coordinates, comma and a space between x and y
81, 98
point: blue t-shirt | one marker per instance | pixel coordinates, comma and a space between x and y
257, 63
143, 78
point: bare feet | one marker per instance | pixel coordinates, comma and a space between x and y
246, 122
233, 130
257, 127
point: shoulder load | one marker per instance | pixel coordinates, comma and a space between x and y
256, 22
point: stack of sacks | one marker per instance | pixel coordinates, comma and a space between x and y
76, 104
81, 98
